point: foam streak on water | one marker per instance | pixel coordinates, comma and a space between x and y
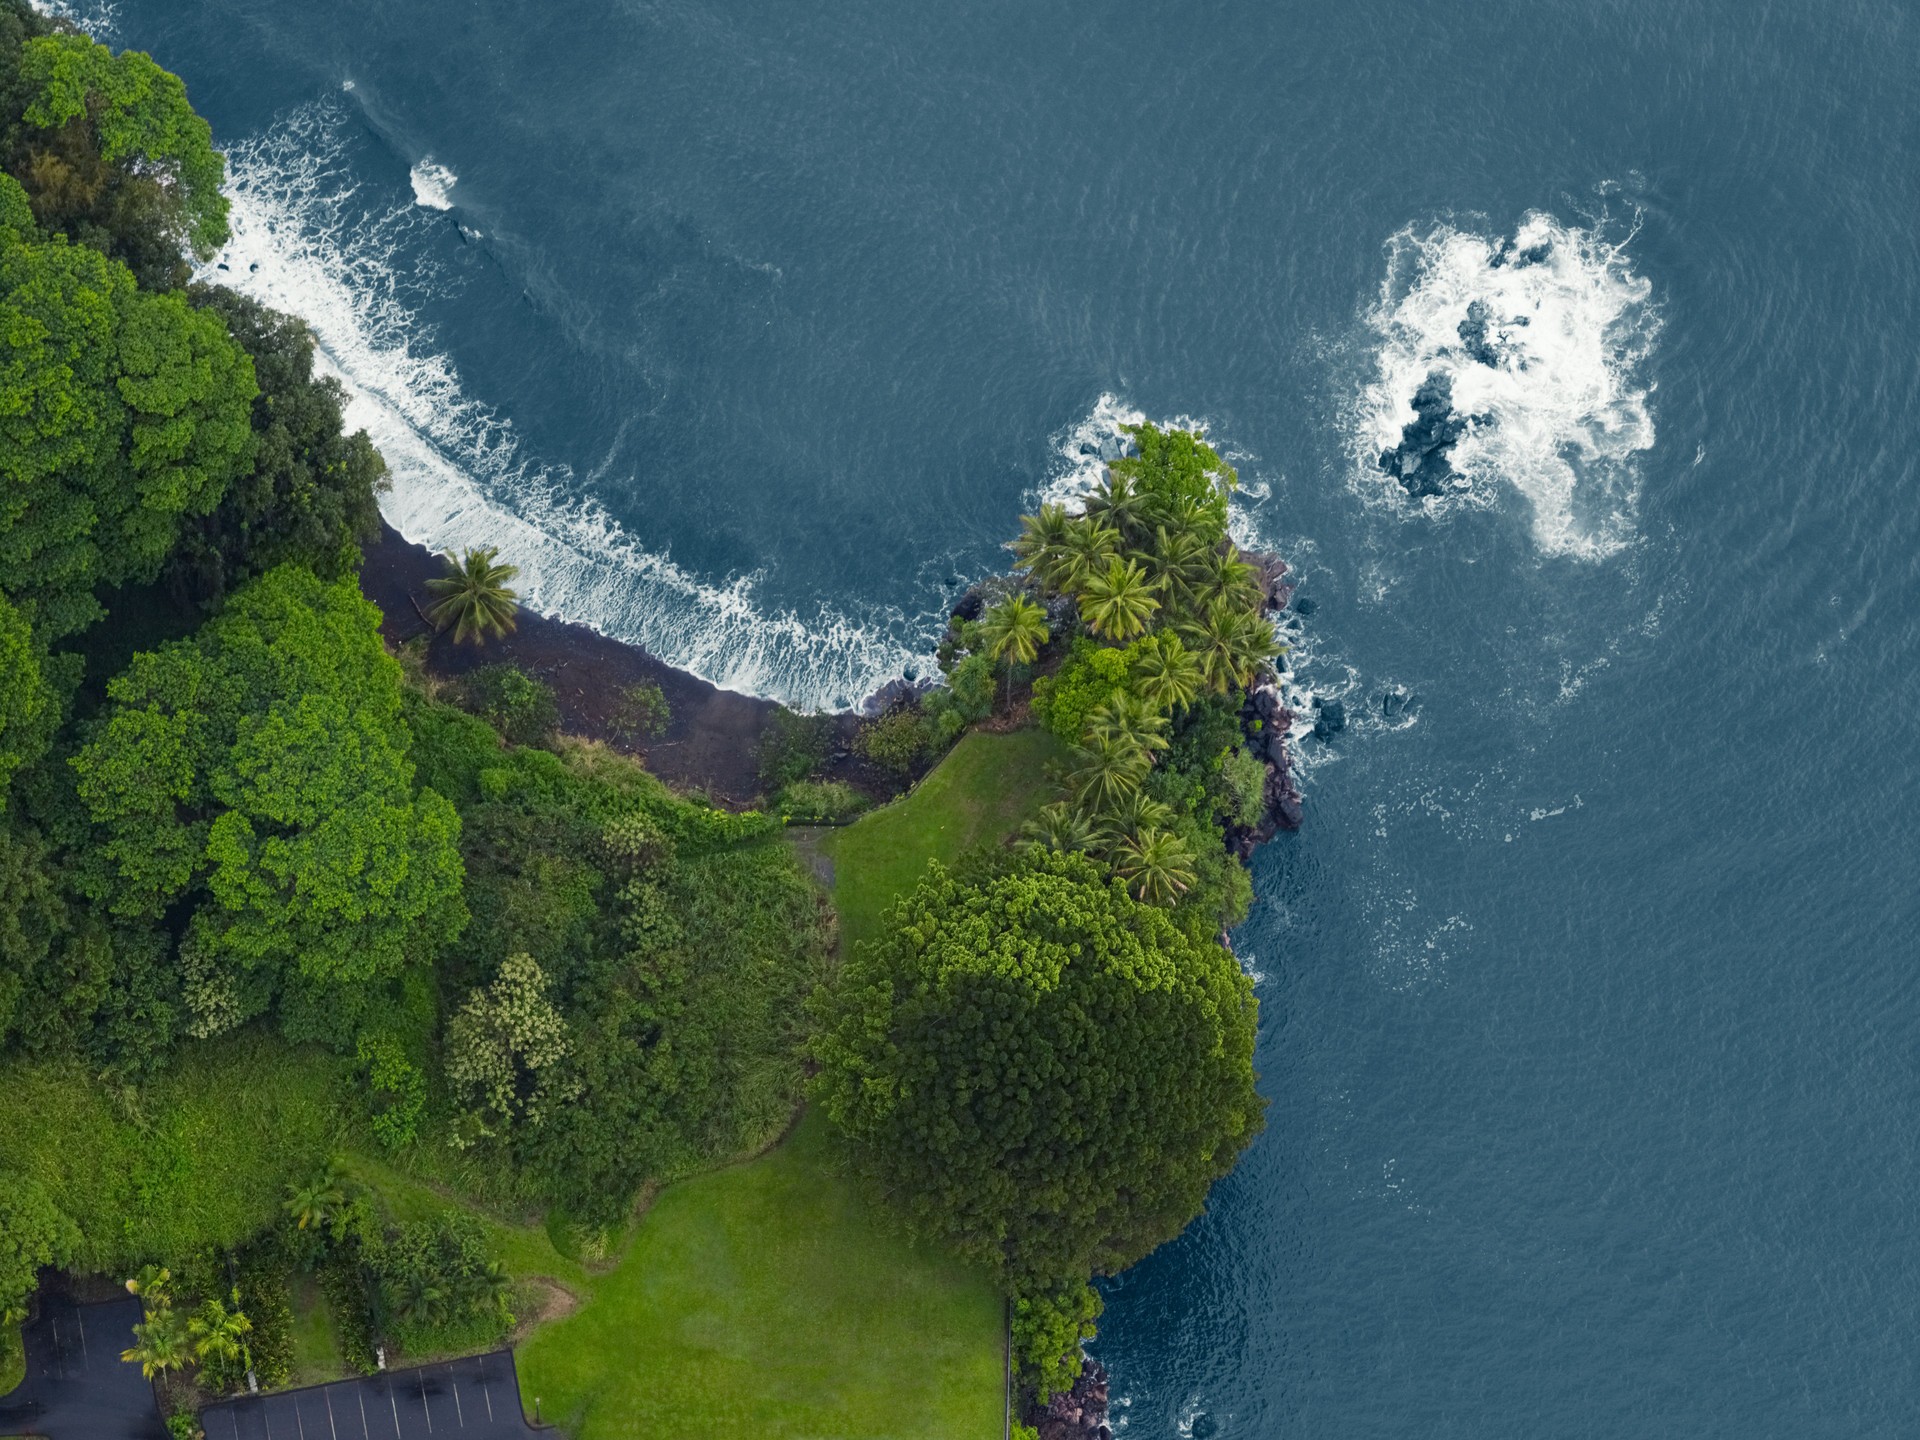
306, 241
1555, 402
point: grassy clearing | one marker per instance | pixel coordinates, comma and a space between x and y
982, 791
768, 1300
199, 1159
316, 1350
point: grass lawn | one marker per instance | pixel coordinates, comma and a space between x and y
767, 1300
982, 791
316, 1353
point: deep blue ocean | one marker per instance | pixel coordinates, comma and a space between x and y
1591, 989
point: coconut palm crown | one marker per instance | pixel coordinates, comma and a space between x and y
474, 596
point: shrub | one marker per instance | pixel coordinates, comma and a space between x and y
972, 687
33, 1232
1243, 787
504, 1052
397, 1090
641, 713
1048, 1326
266, 1294
1092, 676
792, 747
516, 704
897, 741
829, 800
438, 1286
343, 1282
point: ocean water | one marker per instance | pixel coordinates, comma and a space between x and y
1591, 990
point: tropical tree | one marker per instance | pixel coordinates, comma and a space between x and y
1039, 1070
1130, 816
1221, 576
1118, 603
1106, 772
1230, 644
152, 1285
1177, 555
474, 596
1014, 630
123, 414
255, 783
1155, 864
1165, 674
220, 1336
487, 1288
1041, 549
1124, 505
318, 1202
423, 1301
160, 1343
1058, 827
1086, 551
1128, 720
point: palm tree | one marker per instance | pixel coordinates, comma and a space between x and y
1129, 720
1134, 815
1165, 675
423, 1302
322, 1199
474, 597
1155, 864
1177, 554
1118, 603
1041, 549
487, 1289
1221, 575
1014, 630
1058, 827
1107, 772
1086, 551
1229, 643
220, 1336
1124, 505
160, 1343
151, 1286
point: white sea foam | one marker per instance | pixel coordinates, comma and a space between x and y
306, 239
99, 18
1562, 415
433, 184
1082, 451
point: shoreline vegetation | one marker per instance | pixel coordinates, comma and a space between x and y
387, 972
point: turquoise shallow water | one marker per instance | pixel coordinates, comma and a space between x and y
1589, 989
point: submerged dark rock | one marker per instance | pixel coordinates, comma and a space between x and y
1419, 462
1475, 331
1303, 605
1330, 719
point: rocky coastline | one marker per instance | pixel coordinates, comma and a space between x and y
1076, 1414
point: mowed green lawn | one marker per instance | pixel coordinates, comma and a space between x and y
768, 1300
983, 791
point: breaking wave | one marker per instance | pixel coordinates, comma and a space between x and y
1512, 362
308, 240
433, 184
